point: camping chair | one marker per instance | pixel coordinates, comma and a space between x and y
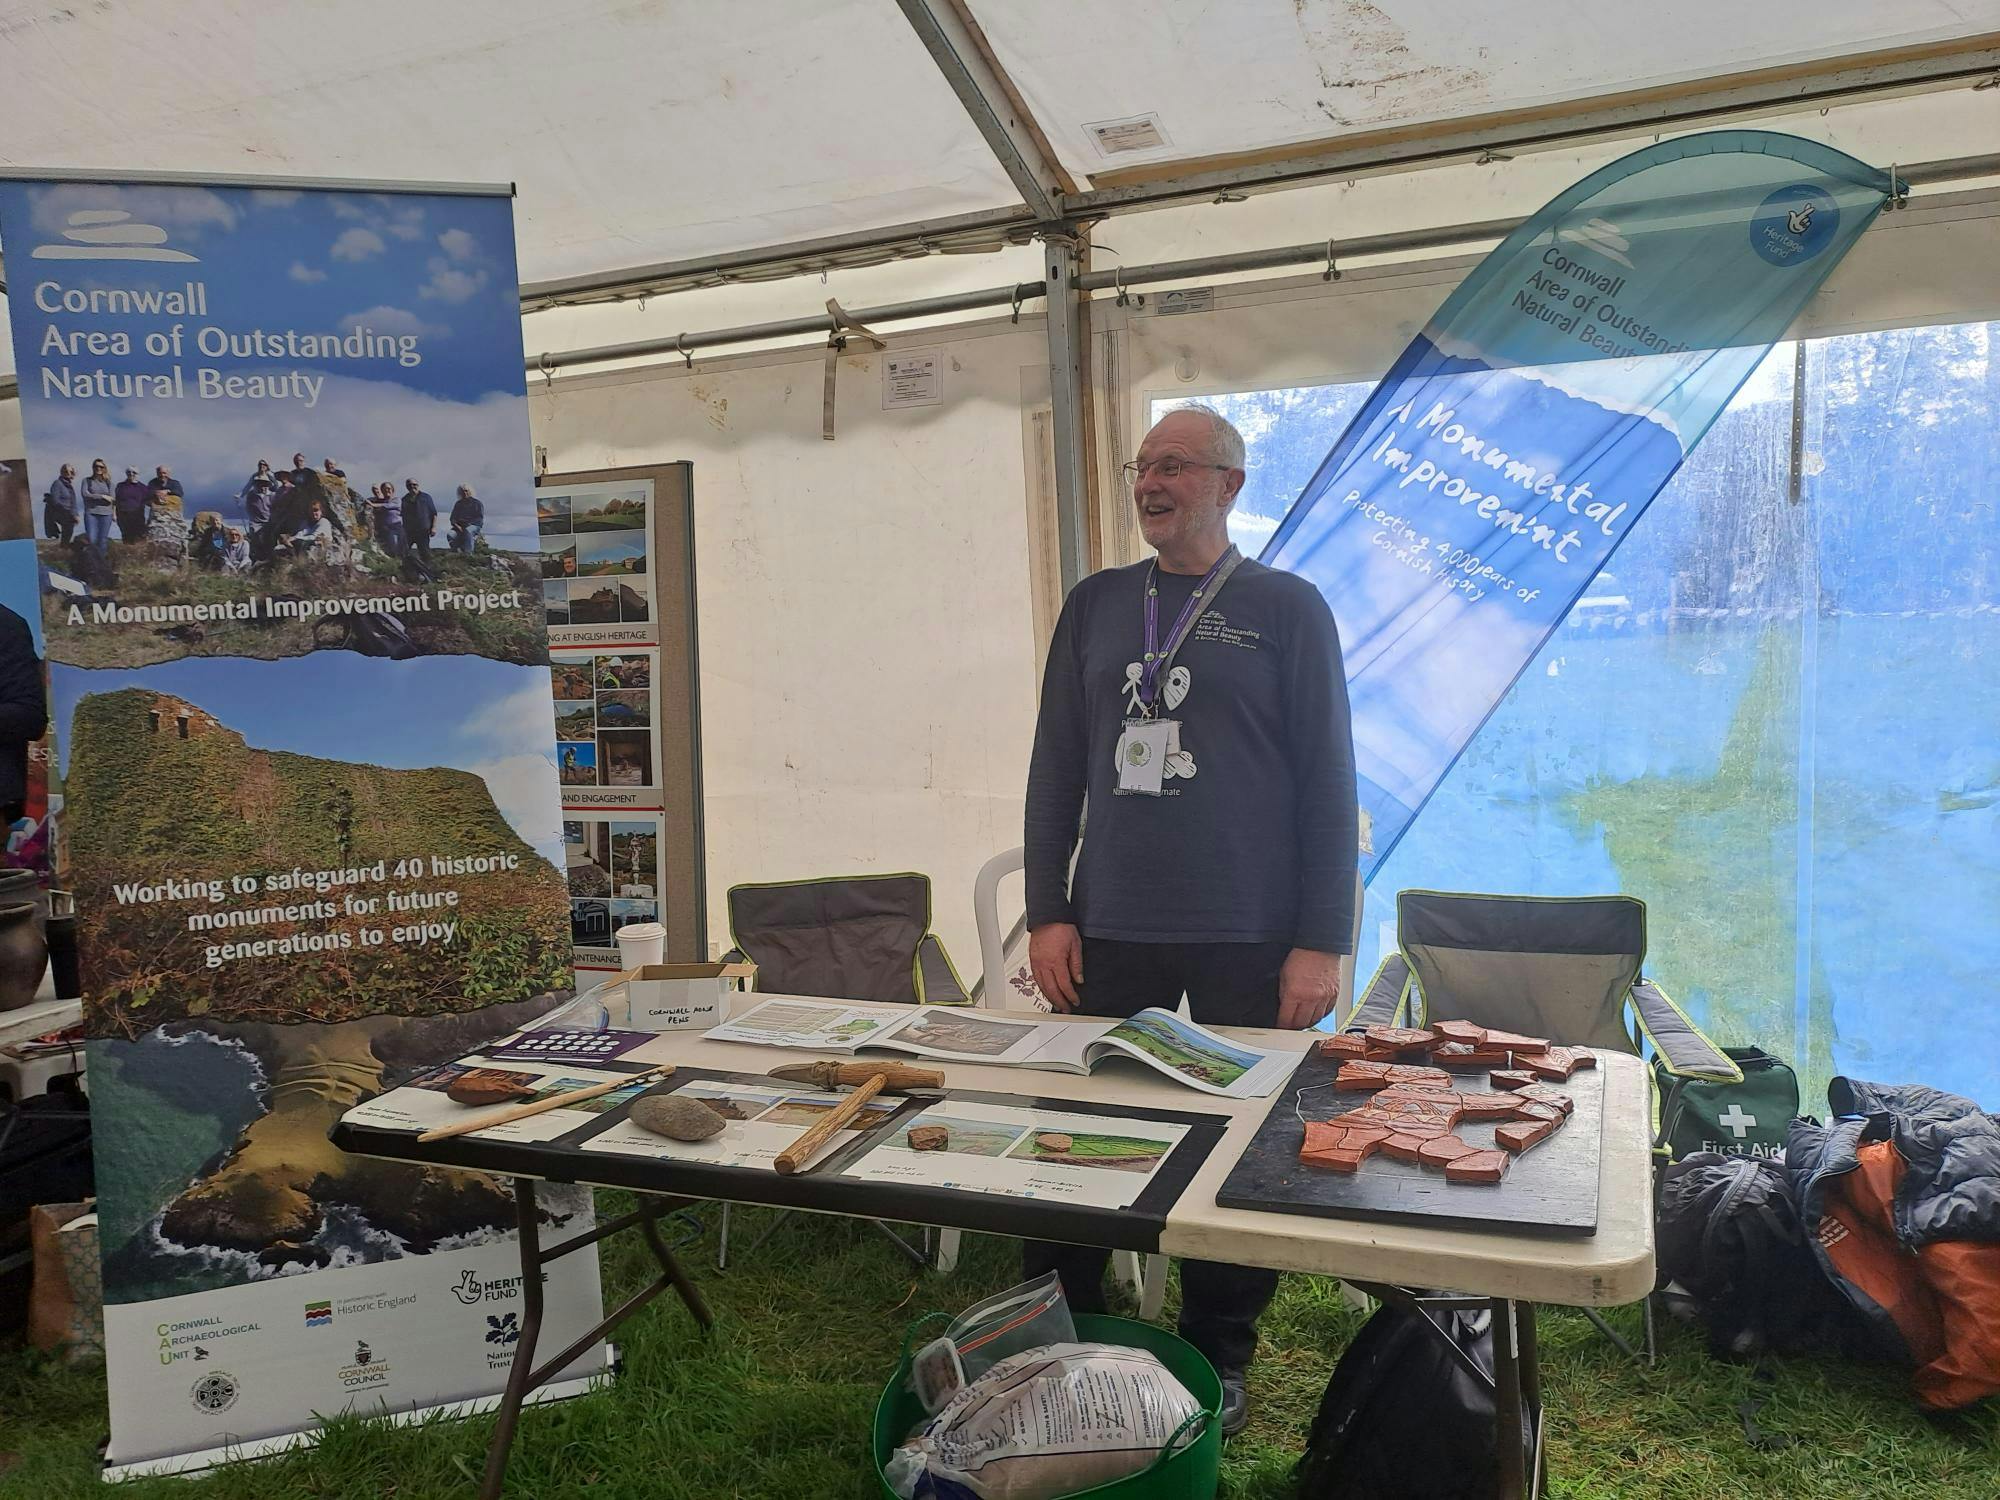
1557, 966
1006, 980
847, 937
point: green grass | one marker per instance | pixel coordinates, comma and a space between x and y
778, 1402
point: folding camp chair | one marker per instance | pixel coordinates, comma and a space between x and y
848, 937
1566, 967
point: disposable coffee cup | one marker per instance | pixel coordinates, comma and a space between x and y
640, 944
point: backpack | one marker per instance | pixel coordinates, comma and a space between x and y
1729, 1234
1735, 1119
1402, 1419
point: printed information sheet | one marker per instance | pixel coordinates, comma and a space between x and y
1103, 1161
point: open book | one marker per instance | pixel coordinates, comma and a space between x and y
1160, 1039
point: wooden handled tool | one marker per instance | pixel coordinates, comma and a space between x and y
513, 1112
895, 1076
801, 1150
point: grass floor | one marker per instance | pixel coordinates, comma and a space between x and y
778, 1402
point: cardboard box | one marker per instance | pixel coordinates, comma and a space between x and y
683, 997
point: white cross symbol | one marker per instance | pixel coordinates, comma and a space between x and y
1736, 1120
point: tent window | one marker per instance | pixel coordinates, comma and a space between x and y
1766, 717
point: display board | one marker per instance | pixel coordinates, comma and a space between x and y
292, 602
1551, 1189
617, 564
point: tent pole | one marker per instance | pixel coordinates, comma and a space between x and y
1066, 334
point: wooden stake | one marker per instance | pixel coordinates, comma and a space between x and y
514, 1112
801, 1150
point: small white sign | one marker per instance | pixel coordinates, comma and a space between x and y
1134, 133
911, 377
1186, 299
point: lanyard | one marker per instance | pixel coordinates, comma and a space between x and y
1159, 658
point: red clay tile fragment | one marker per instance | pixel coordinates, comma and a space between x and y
1342, 1044
1522, 1134
1443, 1151
1511, 1078
1478, 1166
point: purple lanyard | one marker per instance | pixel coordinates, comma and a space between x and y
1197, 604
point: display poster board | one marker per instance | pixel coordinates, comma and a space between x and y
617, 559
292, 600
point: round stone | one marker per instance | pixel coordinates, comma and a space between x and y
1054, 1140
676, 1117
929, 1137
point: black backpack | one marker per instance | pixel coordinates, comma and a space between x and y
1729, 1234
1402, 1419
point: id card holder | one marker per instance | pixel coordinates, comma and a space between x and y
1142, 756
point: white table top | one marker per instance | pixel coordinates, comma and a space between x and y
37, 1016
1607, 1269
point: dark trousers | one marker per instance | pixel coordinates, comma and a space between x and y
1227, 984
132, 525
58, 524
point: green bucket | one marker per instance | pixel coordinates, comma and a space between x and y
1189, 1474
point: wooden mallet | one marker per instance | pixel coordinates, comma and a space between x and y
868, 1079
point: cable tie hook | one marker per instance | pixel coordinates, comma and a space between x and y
1016, 318
548, 370
681, 348
1332, 271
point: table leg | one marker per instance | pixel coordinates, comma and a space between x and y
526, 1223
1531, 1392
1507, 1402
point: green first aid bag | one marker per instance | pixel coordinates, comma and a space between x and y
1741, 1119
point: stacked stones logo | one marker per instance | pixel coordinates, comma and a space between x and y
319, 1315
214, 1392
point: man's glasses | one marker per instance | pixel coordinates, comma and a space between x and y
1166, 468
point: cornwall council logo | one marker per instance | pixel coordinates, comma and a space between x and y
1794, 224
216, 1391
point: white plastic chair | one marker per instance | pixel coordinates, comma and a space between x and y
1006, 980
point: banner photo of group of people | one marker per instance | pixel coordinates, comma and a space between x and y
597, 563
292, 596
1515, 443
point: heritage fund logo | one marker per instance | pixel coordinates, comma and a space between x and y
1794, 224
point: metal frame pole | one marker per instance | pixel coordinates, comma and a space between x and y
1065, 319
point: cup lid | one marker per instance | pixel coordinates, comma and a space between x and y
640, 932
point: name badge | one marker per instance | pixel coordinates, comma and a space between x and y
1142, 755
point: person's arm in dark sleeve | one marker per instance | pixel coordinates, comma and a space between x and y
1321, 738
1056, 775
24, 709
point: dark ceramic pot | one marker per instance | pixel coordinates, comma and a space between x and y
23, 955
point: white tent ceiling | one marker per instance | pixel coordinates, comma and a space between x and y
643, 132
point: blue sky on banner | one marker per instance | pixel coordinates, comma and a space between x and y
1513, 445
380, 330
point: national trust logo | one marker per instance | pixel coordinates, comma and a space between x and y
214, 1392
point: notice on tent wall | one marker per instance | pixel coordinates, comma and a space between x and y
912, 377
293, 601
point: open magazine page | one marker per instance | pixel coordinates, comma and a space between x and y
823, 1025
1195, 1056
951, 1033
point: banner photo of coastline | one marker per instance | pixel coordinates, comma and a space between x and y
291, 592
1515, 443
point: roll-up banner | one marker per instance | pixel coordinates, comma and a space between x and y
292, 598
1522, 434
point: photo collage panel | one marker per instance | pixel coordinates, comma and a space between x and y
616, 878
606, 731
596, 562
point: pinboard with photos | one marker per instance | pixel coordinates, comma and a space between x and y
617, 551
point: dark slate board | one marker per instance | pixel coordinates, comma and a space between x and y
1549, 1190
568, 1158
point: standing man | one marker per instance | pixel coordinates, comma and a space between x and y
1197, 705
132, 498
60, 506
468, 519
164, 483
420, 519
